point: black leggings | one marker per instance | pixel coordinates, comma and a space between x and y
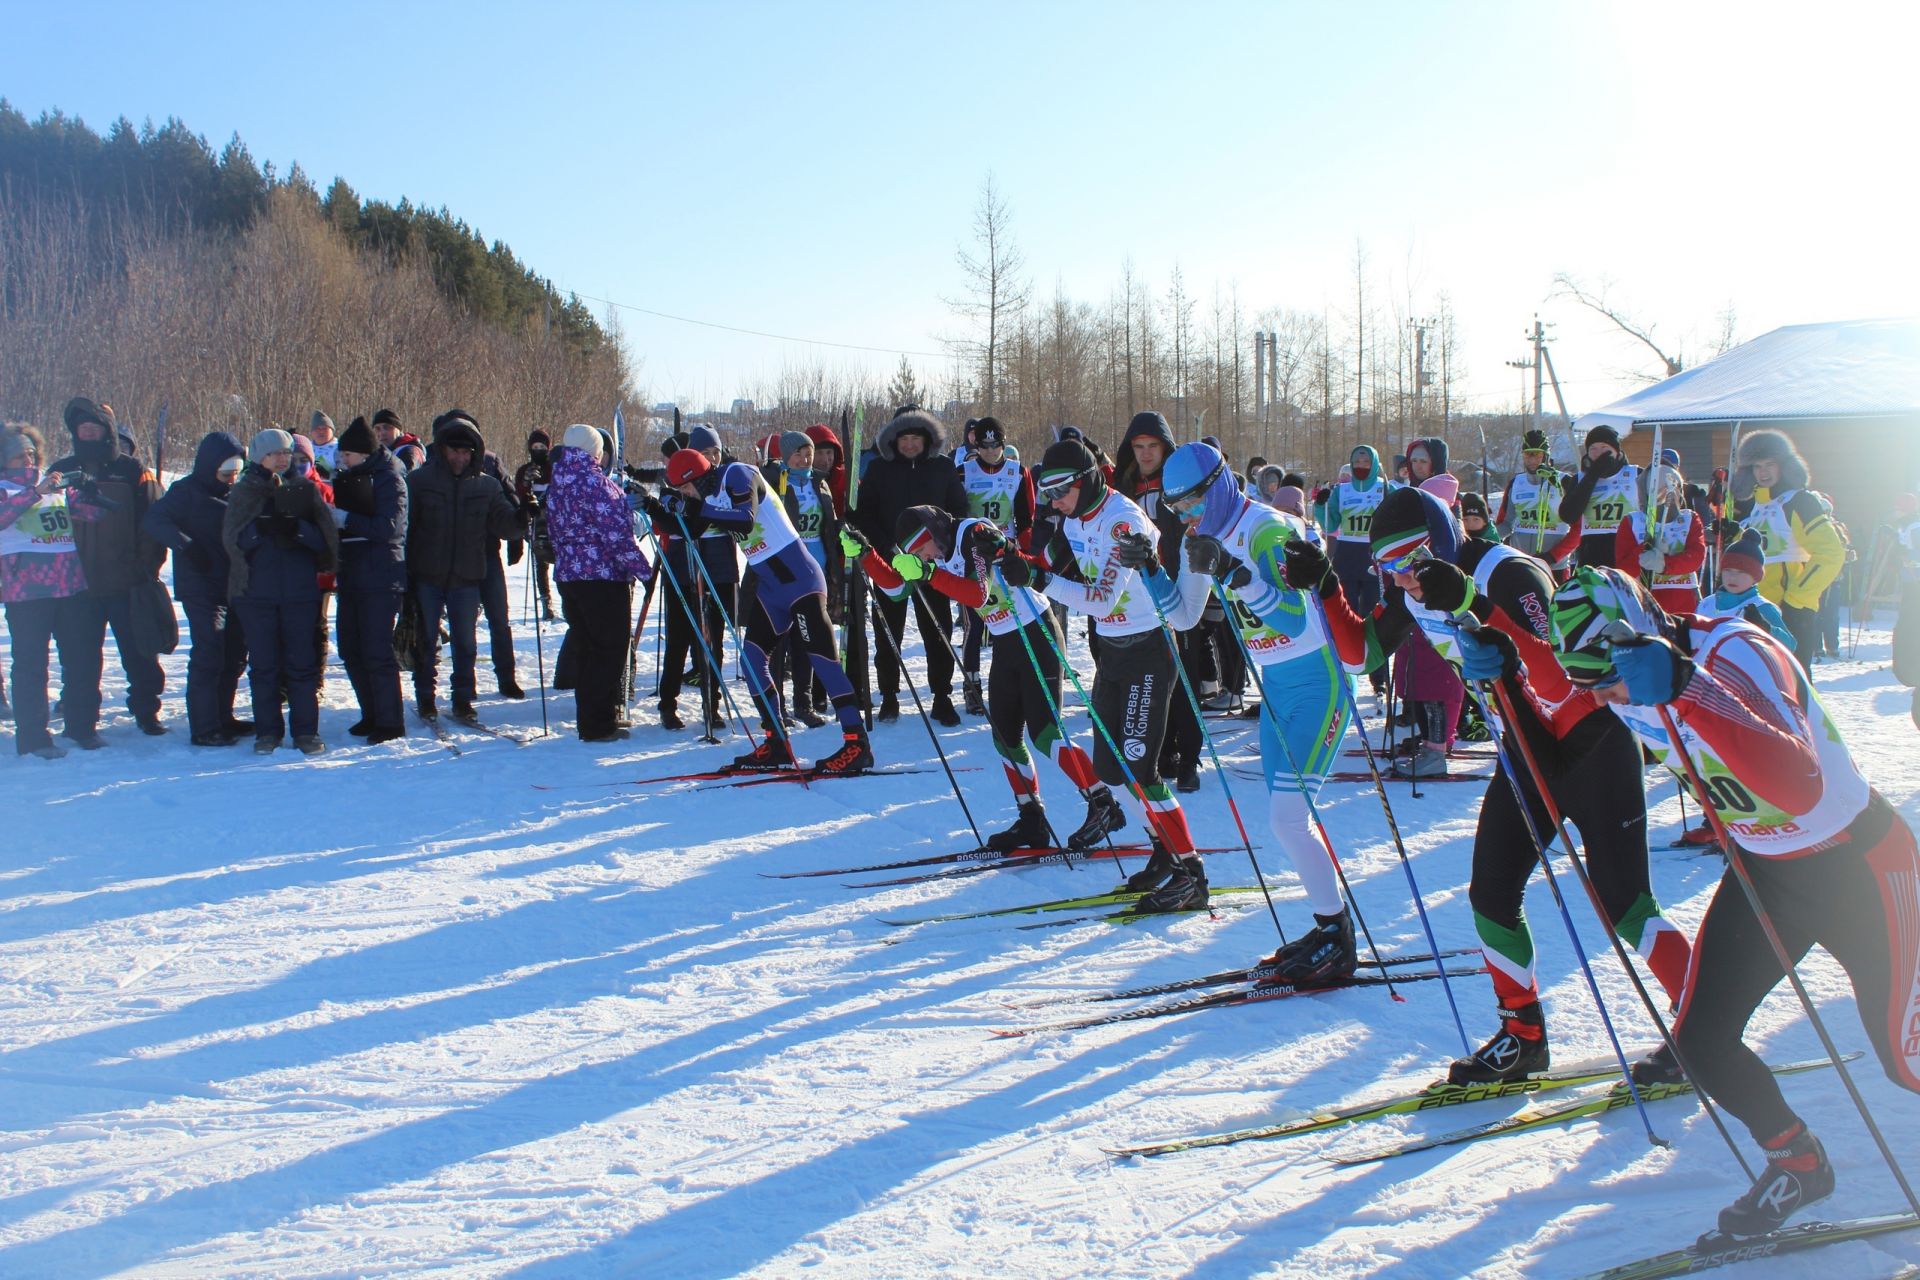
1017, 703
1850, 900
683, 641
935, 614
1132, 691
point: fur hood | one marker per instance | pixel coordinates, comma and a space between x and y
912, 420
1776, 445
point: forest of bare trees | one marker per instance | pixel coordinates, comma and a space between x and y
257, 319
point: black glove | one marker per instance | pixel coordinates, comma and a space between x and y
1305, 567
986, 539
1728, 530
1607, 464
653, 508
1022, 572
1136, 551
515, 550
1443, 587
1211, 557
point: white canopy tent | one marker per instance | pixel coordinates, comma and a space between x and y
1842, 369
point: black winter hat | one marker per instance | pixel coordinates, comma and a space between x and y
1069, 456
359, 437
1602, 434
537, 436
383, 416
1472, 504
80, 409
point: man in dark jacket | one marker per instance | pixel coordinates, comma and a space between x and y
530, 487
370, 509
455, 512
116, 557
188, 520
493, 593
908, 471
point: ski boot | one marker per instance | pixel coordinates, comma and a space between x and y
1658, 1067
1797, 1175
1187, 780
463, 711
774, 752
1322, 956
854, 756
1516, 1051
1159, 866
1185, 890
1104, 816
1428, 762
976, 701
1029, 830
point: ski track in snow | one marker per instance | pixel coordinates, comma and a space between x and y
392, 1012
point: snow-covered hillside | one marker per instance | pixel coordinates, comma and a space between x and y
506, 1014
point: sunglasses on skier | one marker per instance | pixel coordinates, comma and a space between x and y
1059, 486
1407, 562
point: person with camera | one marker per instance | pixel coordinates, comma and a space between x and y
279, 536
189, 519
530, 486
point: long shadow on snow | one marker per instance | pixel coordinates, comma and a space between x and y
532, 1112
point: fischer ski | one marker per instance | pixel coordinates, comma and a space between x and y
1257, 973
1117, 897
1015, 861
1715, 1250
1433, 1096
1531, 1118
1226, 999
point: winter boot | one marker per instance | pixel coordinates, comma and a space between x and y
774, 752
716, 719
889, 708
1797, 1175
1186, 890
1029, 830
1224, 700
264, 745
854, 756
310, 744
510, 688
385, 733
360, 727
1104, 816
1518, 1050
1323, 956
151, 726
48, 751
1154, 874
976, 701
464, 712
1187, 781
85, 739
803, 711
429, 707
943, 712
670, 716
1251, 711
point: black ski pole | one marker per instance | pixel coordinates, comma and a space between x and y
906, 677
768, 700
699, 632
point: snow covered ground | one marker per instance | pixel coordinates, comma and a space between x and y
393, 1012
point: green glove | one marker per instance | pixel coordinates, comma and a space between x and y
911, 568
852, 545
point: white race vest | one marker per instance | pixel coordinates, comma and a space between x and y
1357, 506
45, 528
990, 494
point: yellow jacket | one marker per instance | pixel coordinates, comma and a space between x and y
1803, 549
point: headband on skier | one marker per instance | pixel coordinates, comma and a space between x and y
1400, 555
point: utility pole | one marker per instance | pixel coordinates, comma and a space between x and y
1539, 365
1526, 418
1259, 377
1421, 378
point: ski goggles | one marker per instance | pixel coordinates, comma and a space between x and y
1060, 485
1407, 560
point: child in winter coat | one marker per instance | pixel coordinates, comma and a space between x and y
1739, 595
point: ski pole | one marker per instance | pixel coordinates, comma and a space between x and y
768, 700
1246, 841
699, 628
906, 676
1493, 694
1399, 845
1736, 859
540, 658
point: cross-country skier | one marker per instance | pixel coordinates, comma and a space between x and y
792, 594
999, 491
1349, 518
1608, 488
1589, 759
1668, 554
1239, 543
1832, 862
1133, 672
1528, 513
956, 558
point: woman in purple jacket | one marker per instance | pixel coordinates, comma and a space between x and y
596, 561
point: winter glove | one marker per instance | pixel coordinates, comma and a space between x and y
1305, 567
1021, 572
1607, 464
1741, 485
1654, 671
986, 539
1136, 551
1653, 560
911, 568
1444, 587
1206, 555
339, 517
1728, 530
852, 544
652, 509
515, 550
1487, 654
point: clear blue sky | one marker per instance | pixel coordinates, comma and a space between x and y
811, 169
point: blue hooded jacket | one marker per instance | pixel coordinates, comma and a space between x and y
187, 518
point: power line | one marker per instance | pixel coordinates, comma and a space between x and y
760, 333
